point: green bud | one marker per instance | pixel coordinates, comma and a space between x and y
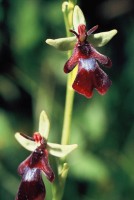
64, 171
64, 6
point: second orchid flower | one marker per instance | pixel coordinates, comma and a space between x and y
32, 186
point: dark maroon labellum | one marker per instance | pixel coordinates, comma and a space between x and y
32, 186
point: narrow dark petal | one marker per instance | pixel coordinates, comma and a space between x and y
74, 32
90, 76
72, 62
104, 60
27, 137
32, 186
93, 29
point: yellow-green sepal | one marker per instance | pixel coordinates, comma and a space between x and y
59, 150
26, 143
78, 18
63, 44
102, 38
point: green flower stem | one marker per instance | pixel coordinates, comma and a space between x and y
62, 166
68, 112
62, 170
67, 9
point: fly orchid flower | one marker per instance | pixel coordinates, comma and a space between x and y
32, 186
89, 75
88, 59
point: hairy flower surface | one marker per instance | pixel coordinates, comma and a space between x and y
89, 75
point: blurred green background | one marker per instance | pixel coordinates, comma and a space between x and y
32, 79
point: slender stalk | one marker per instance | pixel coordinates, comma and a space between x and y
62, 169
68, 112
68, 18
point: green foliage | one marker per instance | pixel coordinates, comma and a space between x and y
27, 29
88, 167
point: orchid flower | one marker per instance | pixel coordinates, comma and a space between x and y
32, 186
89, 75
